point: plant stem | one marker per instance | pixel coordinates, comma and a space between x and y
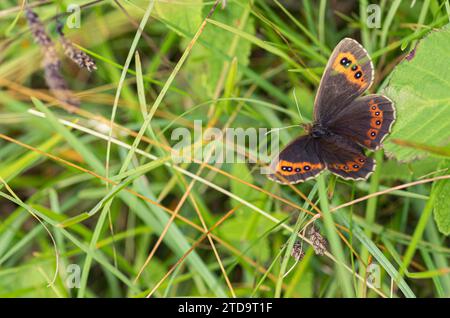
371, 210
336, 247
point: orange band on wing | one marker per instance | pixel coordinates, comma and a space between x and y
376, 121
347, 64
355, 165
287, 168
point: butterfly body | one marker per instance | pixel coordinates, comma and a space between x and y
344, 122
318, 131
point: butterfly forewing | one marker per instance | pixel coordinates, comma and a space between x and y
298, 162
348, 74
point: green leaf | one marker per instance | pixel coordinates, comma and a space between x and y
204, 67
29, 280
241, 189
432, 150
77, 145
245, 225
393, 170
442, 206
74, 220
184, 15
420, 86
377, 254
26, 161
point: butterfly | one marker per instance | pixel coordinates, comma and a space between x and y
345, 122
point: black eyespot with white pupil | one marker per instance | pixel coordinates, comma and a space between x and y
356, 166
374, 107
373, 134
354, 67
358, 74
306, 168
297, 169
345, 62
361, 160
377, 113
378, 123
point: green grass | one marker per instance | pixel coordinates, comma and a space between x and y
96, 187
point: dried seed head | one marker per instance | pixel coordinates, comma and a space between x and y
77, 56
37, 28
319, 243
50, 61
297, 251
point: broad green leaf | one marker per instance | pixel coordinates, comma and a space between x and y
442, 206
442, 152
393, 170
186, 15
420, 87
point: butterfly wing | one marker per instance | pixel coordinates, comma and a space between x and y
346, 159
366, 121
298, 162
348, 74
354, 122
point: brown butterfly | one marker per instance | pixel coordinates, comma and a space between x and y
344, 122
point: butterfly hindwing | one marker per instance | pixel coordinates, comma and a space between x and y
346, 159
348, 74
366, 121
352, 166
298, 162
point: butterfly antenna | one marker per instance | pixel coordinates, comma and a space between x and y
299, 114
296, 104
278, 129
